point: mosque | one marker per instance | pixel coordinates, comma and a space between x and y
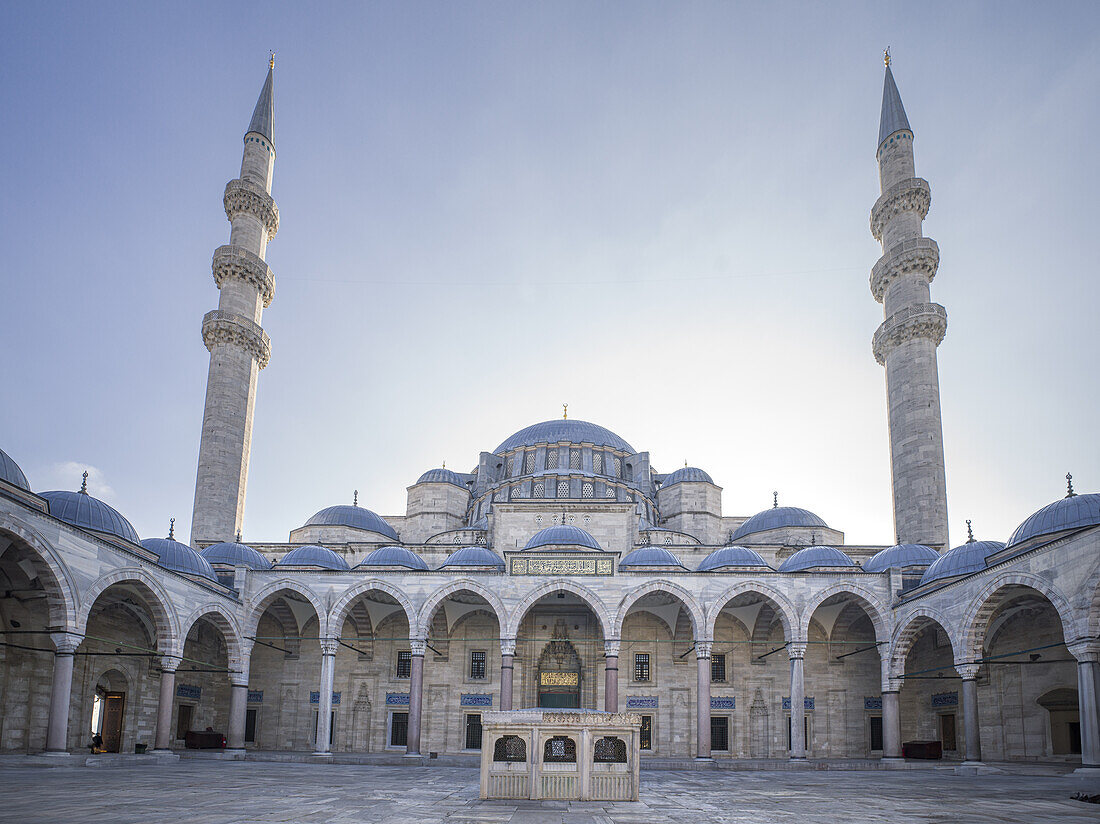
562, 570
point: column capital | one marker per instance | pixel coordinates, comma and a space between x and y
1084, 650
891, 685
967, 671
239, 679
702, 649
170, 663
796, 650
611, 647
66, 642
507, 646
418, 646
329, 646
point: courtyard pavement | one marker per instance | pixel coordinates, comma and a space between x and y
230, 792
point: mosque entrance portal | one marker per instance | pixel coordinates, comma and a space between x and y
114, 703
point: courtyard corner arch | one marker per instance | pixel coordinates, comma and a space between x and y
225, 621
906, 634
779, 602
259, 603
157, 598
699, 623
61, 593
427, 611
594, 602
868, 600
971, 641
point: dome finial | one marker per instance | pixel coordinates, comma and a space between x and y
813, 539
565, 411
685, 463
171, 529
1069, 486
271, 62
775, 500
238, 536
969, 532
885, 56
355, 498
84, 483
444, 464
563, 517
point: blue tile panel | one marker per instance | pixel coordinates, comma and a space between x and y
945, 699
639, 702
188, 691
808, 703
873, 702
255, 696
315, 698
476, 700
723, 702
397, 699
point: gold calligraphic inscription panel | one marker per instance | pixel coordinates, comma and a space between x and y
559, 679
562, 566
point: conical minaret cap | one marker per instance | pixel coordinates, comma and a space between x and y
893, 117
263, 117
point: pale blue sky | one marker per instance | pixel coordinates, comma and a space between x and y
655, 212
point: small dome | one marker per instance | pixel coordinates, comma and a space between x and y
731, 556
313, 556
473, 556
179, 558
814, 557
651, 556
900, 557
1073, 512
82, 510
390, 556
687, 474
10, 472
562, 535
962, 560
570, 431
233, 554
441, 476
778, 517
355, 517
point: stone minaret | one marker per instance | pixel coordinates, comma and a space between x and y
914, 326
239, 347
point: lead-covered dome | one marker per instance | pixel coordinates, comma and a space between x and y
355, 517
562, 535
651, 556
1071, 512
687, 474
82, 510
441, 476
731, 556
571, 431
962, 560
816, 557
393, 556
473, 556
313, 556
901, 557
231, 553
779, 517
10, 472
178, 557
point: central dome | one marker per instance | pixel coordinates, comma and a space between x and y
563, 429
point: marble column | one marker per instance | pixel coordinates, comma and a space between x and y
702, 736
57, 732
1088, 674
507, 666
891, 724
416, 696
611, 675
238, 700
324, 703
162, 741
797, 653
971, 729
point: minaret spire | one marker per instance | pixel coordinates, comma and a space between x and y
913, 328
239, 347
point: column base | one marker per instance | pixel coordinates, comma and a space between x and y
237, 754
56, 753
1087, 771
325, 756
703, 758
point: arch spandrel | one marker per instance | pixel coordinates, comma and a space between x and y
340, 610
701, 630
593, 601
970, 639
906, 632
788, 615
427, 611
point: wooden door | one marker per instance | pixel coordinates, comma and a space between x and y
947, 732
114, 705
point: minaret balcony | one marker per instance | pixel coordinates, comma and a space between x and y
921, 320
916, 256
910, 195
227, 328
244, 196
237, 262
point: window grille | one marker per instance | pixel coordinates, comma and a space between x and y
563, 489
645, 738
510, 748
719, 733
609, 750
529, 463
610, 492
560, 750
641, 666
399, 729
668, 539
551, 458
477, 665
618, 467
404, 663
539, 491
473, 731
597, 462
574, 459
586, 490
718, 667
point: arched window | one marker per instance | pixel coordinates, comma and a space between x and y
560, 750
574, 459
586, 490
510, 748
539, 491
597, 462
551, 458
563, 489
609, 750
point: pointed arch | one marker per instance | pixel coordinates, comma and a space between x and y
463, 584
872, 604
594, 602
158, 600
344, 603
62, 599
906, 632
227, 625
699, 624
260, 601
972, 631
779, 602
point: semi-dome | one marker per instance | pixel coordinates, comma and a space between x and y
441, 476
231, 553
563, 429
687, 474
562, 535
731, 556
1071, 512
391, 556
473, 556
650, 556
313, 556
355, 517
10, 472
82, 510
900, 557
178, 557
962, 560
778, 517
814, 557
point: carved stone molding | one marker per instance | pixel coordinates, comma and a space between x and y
968, 672
220, 327
796, 649
66, 643
235, 262
921, 320
919, 255
245, 196
911, 195
418, 646
329, 646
